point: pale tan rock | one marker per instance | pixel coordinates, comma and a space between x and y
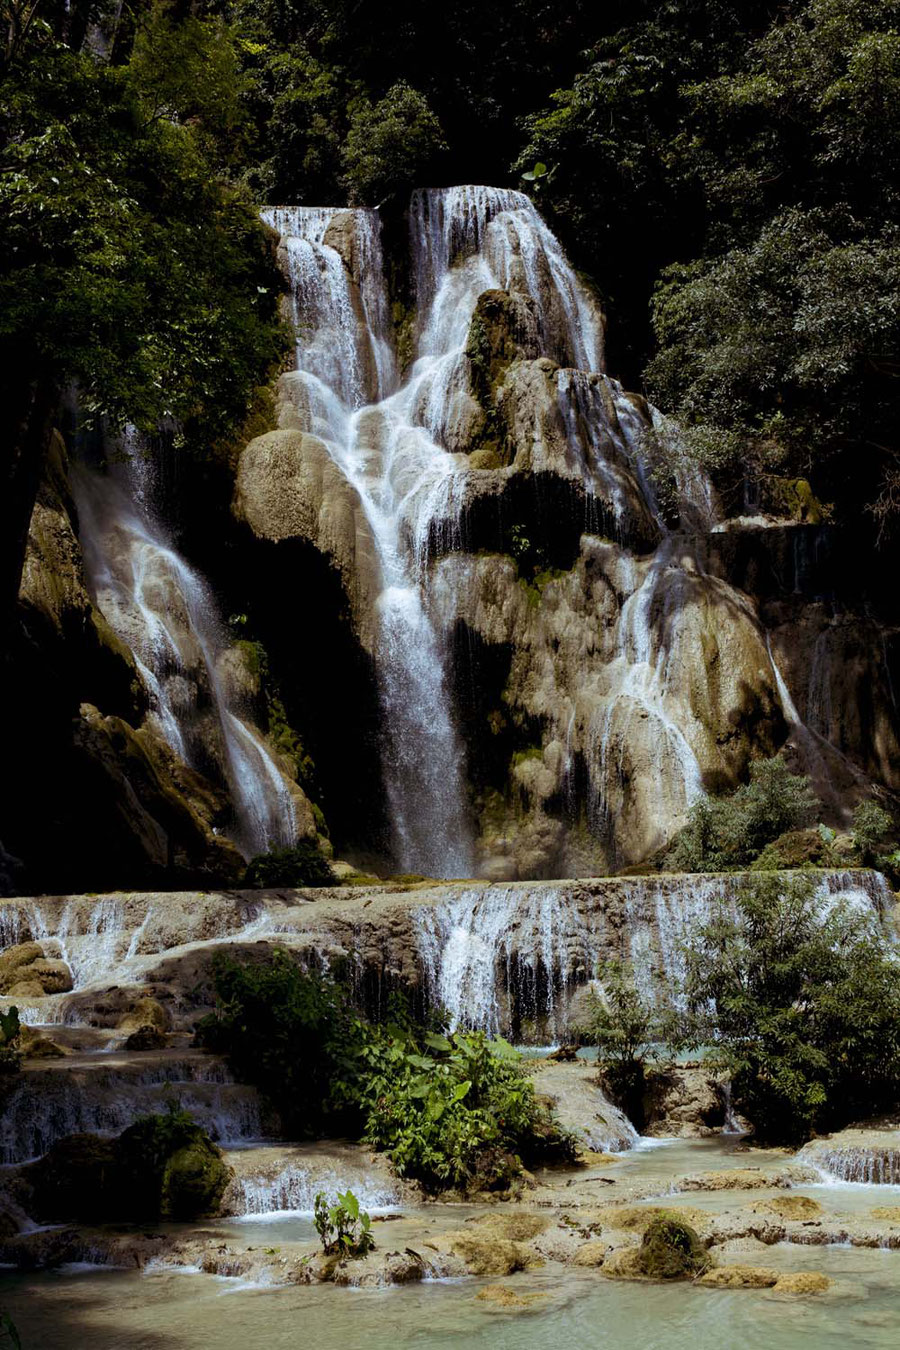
489, 1255
789, 1207
803, 1282
739, 1277
591, 1253
623, 1264
502, 1299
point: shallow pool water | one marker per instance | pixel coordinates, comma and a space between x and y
167, 1309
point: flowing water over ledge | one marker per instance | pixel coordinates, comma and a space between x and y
507, 957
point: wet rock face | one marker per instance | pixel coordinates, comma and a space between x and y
605, 645
148, 1172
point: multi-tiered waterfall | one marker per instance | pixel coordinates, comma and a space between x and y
166, 614
493, 440
394, 442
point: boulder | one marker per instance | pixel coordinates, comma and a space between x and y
146, 1037
77, 1180
739, 1277
671, 1250
25, 971
798, 1207
487, 1255
592, 1253
500, 1298
802, 1282
35, 1044
193, 1181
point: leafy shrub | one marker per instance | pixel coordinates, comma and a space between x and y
872, 830
726, 833
343, 1228
291, 1034
456, 1110
624, 1030
301, 865
802, 1002
390, 146
452, 1110
161, 1167
173, 1171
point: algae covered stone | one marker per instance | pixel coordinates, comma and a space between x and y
671, 1249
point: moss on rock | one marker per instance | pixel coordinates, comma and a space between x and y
671, 1250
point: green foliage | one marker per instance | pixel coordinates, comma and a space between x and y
343, 1228
873, 829
455, 1110
301, 865
10, 1056
802, 1002
390, 146
448, 1110
625, 1031
169, 1168
745, 162
131, 266
728, 833
291, 1034
769, 347
671, 1250
9, 1332
161, 1167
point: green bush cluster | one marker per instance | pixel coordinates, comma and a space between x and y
801, 999
671, 1250
728, 833
10, 1054
626, 1032
795, 997
301, 865
454, 1110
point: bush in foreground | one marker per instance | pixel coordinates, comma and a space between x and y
453, 1110
801, 999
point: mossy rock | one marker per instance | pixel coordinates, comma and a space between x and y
794, 497
671, 1250
193, 1181
796, 848
77, 1179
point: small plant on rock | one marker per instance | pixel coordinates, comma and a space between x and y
301, 866
343, 1228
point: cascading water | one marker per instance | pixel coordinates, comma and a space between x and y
510, 958
166, 614
394, 444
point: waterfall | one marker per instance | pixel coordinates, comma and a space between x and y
294, 1189
510, 958
92, 1098
166, 614
394, 443
856, 1164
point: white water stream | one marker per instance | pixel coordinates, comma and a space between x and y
394, 443
166, 614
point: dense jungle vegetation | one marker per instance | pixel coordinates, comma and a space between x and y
725, 172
